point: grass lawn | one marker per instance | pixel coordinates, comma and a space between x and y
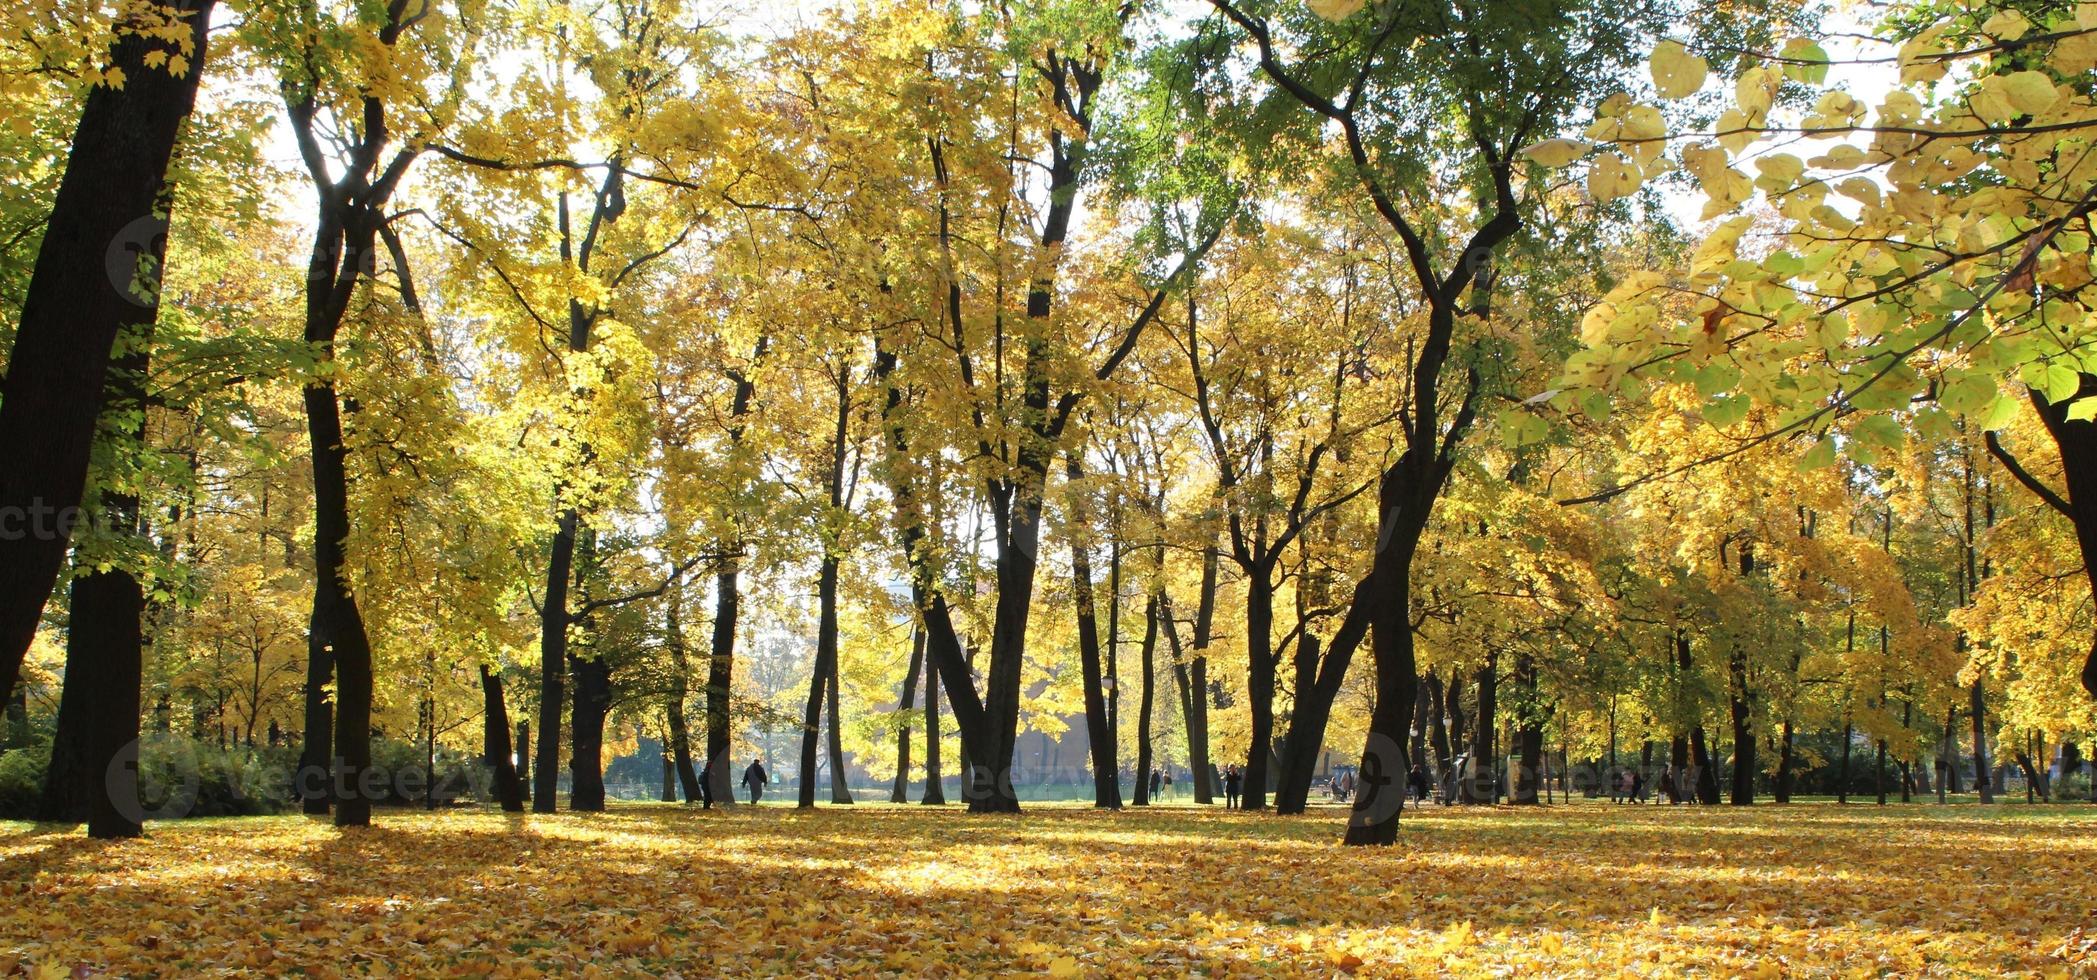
1585, 889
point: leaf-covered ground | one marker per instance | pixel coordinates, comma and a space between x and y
1805, 890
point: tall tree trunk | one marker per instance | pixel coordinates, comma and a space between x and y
935, 780
1106, 769
93, 773
677, 726
1949, 781
1983, 781
523, 753
317, 753
104, 659
553, 666
1318, 686
1146, 698
720, 674
1190, 673
818, 680
495, 738
1437, 724
1783, 782
1743, 731
593, 701
335, 614
901, 792
1480, 784
1849, 737
1877, 773
1260, 684
669, 791
840, 788
1529, 735
77, 301
1700, 761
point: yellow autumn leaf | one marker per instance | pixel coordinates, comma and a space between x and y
1335, 11
1556, 153
1676, 72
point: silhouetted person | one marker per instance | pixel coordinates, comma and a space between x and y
1232, 782
754, 777
1418, 779
1157, 781
706, 786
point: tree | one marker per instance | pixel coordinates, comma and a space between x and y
76, 304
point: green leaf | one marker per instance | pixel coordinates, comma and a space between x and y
1821, 456
1726, 411
1716, 378
2083, 410
2061, 383
1999, 414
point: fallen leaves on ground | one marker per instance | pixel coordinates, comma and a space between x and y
1587, 889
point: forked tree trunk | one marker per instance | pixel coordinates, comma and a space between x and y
495, 737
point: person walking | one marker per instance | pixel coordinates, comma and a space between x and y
1638, 786
1418, 780
1232, 783
706, 786
754, 777
1157, 781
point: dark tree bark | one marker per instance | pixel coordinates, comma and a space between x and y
93, 774
1190, 674
1146, 698
1438, 724
1743, 731
1480, 784
553, 663
935, 780
316, 756
523, 752
593, 701
819, 680
669, 791
1978, 706
674, 721
104, 660
77, 301
2077, 444
495, 736
1784, 762
901, 792
1106, 769
1848, 737
720, 668
1319, 677
1700, 760
1529, 736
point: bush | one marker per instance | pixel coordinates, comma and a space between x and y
183, 777
22, 780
